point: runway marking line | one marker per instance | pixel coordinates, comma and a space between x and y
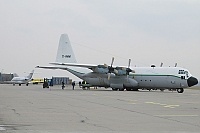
2, 127
171, 106
132, 101
164, 105
177, 115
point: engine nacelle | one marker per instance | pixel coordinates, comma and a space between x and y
120, 71
100, 70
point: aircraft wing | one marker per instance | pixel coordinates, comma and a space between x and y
51, 67
90, 66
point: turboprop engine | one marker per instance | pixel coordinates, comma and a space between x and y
119, 71
101, 69
122, 71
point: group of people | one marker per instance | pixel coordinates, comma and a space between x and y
73, 84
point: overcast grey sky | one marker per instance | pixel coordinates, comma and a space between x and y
147, 31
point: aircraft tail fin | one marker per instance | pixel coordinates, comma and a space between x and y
30, 74
65, 52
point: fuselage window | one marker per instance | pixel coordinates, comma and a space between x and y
182, 77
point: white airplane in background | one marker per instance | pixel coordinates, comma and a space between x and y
120, 78
22, 80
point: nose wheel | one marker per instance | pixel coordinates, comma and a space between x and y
180, 90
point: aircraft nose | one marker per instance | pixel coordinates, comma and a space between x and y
192, 81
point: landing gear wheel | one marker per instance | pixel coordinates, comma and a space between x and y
180, 90
121, 89
162, 90
128, 89
114, 89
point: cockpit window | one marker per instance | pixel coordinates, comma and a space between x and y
187, 75
184, 72
181, 72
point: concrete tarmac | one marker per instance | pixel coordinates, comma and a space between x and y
32, 109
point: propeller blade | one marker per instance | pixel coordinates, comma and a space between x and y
175, 64
110, 68
129, 63
112, 61
128, 70
108, 76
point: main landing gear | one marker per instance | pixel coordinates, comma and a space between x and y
180, 90
122, 89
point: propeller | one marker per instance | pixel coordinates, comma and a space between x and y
110, 68
115, 70
128, 70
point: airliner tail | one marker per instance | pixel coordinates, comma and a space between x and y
30, 74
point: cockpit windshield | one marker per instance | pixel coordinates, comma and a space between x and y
185, 73
181, 72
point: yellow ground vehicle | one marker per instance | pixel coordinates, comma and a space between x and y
37, 81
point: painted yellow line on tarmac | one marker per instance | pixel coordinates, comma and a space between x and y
171, 106
164, 105
156, 103
132, 103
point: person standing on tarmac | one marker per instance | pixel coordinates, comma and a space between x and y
63, 85
73, 84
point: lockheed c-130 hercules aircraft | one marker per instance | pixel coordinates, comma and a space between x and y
121, 78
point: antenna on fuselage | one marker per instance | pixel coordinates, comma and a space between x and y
175, 65
161, 64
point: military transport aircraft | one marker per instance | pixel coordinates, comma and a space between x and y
120, 78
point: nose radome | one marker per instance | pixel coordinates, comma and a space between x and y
192, 81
